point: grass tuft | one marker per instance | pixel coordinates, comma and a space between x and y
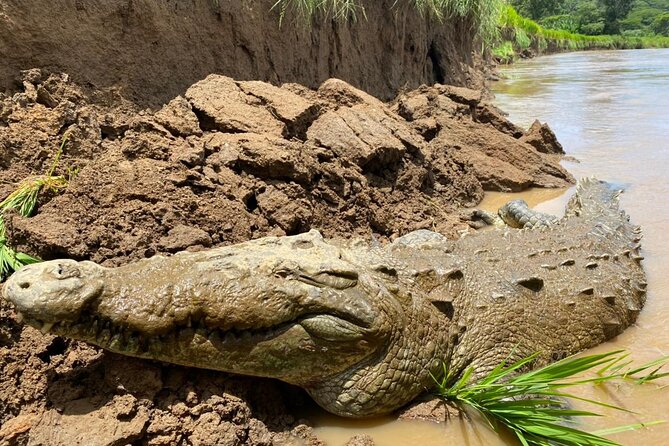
482, 15
24, 201
533, 405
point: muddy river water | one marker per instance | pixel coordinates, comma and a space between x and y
610, 110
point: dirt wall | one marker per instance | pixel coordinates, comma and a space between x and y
154, 49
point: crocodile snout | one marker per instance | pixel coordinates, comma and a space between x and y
53, 291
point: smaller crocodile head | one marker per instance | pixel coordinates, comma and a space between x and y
53, 292
508, 212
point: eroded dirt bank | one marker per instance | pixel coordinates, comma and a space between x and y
154, 49
224, 162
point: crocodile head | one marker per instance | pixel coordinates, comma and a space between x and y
293, 308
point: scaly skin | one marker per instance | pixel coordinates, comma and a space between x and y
360, 328
517, 214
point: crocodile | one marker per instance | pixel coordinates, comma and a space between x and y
517, 214
364, 329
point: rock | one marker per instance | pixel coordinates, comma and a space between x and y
461, 94
15, 428
80, 424
178, 117
225, 107
487, 113
432, 409
210, 430
500, 162
264, 156
340, 94
359, 134
360, 440
541, 137
493, 173
132, 375
293, 213
181, 237
296, 112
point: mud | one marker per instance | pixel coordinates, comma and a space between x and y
223, 162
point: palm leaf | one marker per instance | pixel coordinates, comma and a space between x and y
532, 405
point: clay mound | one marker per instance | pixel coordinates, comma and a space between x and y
475, 134
226, 162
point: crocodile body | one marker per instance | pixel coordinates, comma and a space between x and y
360, 328
517, 214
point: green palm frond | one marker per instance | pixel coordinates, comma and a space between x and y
24, 201
533, 405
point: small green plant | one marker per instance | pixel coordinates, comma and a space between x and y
504, 52
533, 405
24, 201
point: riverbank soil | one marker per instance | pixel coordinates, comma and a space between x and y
224, 162
154, 49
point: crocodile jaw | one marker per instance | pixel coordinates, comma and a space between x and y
219, 311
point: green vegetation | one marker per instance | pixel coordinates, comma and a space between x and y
480, 14
596, 17
515, 30
24, 201
533, 405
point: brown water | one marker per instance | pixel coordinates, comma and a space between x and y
610, 110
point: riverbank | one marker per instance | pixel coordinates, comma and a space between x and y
152, 50
521, 37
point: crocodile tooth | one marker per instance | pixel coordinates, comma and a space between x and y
133, 345
116, 342
637, 258
46, 327
19, 317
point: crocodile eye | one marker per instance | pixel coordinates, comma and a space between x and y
66, 271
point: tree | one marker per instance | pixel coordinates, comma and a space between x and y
537, 9
614, 12
661, 24
590, 17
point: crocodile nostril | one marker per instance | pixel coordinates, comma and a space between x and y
24, 285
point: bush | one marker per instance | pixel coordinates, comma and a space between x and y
661, 24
